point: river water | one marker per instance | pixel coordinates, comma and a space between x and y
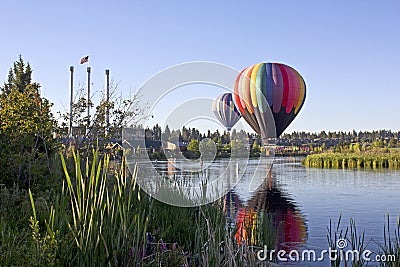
303, 201
321, 195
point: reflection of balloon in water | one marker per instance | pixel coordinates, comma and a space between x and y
283, 88
287, 221
226, 111
294, 232
246, 224
232, 204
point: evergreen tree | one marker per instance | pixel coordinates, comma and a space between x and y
167, 134
26, 128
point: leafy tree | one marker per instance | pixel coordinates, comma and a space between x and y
227, 148
193, 145
123, 112
26, 128
256, 148
356, 147
238, 147
207, 146
393, 142
377, 144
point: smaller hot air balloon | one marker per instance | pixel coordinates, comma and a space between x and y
226, 111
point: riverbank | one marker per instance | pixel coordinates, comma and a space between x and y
194, 155
371, 159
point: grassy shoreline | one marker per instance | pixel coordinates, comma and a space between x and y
100, 219
371, 159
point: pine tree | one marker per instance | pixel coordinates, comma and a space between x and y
26, 128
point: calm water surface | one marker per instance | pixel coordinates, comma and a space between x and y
304, 200
323, 194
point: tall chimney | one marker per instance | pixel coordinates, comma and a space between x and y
107, 100
88, 98
71, 69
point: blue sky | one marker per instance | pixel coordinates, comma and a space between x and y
347, 52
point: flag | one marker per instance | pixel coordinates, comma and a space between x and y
84, 59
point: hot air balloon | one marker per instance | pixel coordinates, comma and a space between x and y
226, 111
266, 89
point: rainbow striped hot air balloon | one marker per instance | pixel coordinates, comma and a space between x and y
226, 111
269, 87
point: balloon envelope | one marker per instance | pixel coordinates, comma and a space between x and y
226, 111
266, 88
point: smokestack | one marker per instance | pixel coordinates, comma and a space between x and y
107, 100
71, 69
88, 97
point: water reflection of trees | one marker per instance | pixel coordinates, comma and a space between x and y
270, 217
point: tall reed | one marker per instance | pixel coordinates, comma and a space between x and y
365, 160
334, 235
352, 253
391, 244
101, 218
106, 224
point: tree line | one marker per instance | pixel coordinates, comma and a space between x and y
31, 136
377, 137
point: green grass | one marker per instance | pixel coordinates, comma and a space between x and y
373, 159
